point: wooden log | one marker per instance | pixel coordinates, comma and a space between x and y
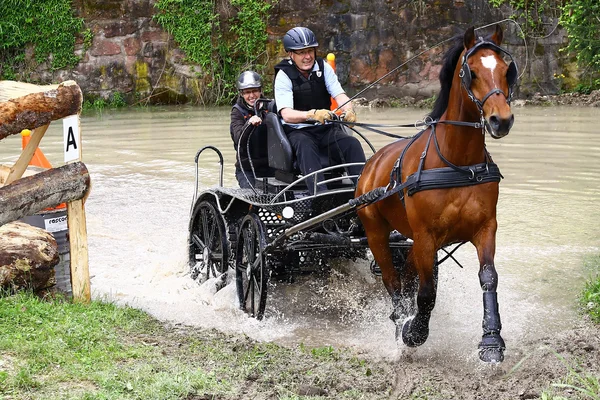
50, 188
36, 106
28, 256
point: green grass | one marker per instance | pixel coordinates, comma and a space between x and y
57, 349
586, 385
590, 296
62, 350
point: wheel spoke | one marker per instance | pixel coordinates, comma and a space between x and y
249, 267
197, 241
247, 290
204, 217
207, 241
212, 236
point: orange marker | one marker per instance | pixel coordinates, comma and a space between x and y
331, 62
38, 159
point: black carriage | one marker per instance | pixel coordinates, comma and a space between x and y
276, 229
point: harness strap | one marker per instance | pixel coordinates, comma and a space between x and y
446, 177
423, 154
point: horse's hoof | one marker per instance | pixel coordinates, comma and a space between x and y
491, 355
413, 333
491, 348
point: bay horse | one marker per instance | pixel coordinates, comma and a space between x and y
448, 188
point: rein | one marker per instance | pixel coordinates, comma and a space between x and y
437, 178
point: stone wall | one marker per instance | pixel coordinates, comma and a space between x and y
131, 54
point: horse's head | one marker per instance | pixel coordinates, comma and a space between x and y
488, 80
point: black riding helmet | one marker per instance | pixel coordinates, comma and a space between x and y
299, 38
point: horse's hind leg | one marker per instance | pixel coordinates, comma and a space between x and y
378, 234
415, 331
491, 347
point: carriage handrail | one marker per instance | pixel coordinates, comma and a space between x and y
310, 222
197, 179
304, 177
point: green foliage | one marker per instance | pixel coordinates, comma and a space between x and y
587, 88
222, 46
535, 16
47, 27
88, 38
116, 100
581, 19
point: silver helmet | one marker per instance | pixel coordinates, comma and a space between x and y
248, 80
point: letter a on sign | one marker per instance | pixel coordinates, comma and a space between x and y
72, 138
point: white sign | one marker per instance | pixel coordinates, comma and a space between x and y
71, 138
56, 224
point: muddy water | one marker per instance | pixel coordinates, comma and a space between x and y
141, 163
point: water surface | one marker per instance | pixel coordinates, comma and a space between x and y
142, 166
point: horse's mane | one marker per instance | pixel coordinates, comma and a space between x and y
446, 76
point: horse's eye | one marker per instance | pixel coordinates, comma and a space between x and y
473, 76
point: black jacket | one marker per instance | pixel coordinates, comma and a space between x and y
239, 128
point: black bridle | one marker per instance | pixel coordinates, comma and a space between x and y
512, 73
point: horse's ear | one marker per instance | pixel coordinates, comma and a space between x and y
469, 38
498, 35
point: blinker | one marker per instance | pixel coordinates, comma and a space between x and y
512, 73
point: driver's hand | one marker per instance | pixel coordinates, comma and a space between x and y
254, 120
348, 116
320, 115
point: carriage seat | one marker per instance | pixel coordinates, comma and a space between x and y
281, 154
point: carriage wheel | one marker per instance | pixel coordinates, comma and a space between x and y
209, 251
251, 269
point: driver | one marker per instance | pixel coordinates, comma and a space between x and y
304, 85
248, 130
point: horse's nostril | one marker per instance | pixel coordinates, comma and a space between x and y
494, 122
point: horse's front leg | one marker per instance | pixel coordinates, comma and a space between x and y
491, 347
415, 330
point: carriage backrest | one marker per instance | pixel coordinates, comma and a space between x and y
281, 155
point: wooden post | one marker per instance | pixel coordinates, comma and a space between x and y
16, 172
80, 273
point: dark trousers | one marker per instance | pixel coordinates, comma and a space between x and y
246, 180
311, 142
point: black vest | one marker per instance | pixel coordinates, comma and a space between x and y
308, 93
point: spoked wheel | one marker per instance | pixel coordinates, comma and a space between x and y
209, 251
251, 269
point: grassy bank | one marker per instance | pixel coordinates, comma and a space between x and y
54, 349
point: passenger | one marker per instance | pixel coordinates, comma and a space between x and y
304, 85
246, 126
